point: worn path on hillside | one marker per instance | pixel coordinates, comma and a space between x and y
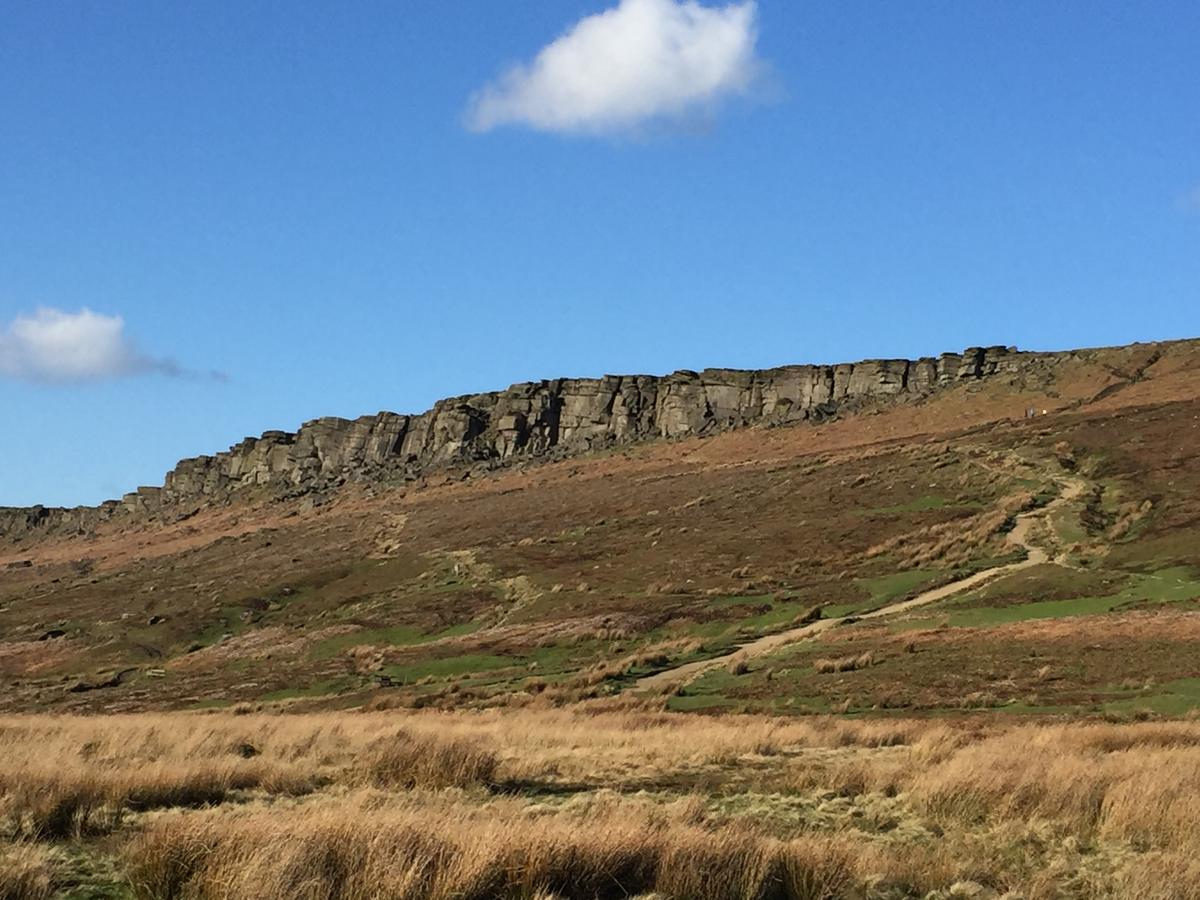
1020, 536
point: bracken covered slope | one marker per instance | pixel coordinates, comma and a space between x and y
428, 561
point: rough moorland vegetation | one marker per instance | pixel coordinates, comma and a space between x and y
933, 646
610, 802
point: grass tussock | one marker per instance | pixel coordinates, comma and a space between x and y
456, 851
26, 872
844, 663
59, 802
402, 761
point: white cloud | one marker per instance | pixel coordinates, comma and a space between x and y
56, 346
644, 61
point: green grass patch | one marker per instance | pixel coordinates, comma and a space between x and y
214, 703
399, 636
459, 630
1046, 609
396, 636
921, 504
555, 659
1067, 524
1026, 709
716, 681
691, 703
336, 587
799, 705
453, 666
780, 614
884, 589
714, 629
1173, 698
85, 873
707, 651
740, 600
317, 689
1169, 586
887, 588
229, 621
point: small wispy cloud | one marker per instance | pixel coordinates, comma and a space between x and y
642, 62
53, 346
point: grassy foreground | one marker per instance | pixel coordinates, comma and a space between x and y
603, 801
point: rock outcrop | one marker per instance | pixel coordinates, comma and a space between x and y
535, 419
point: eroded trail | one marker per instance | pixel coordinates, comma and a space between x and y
1019, 536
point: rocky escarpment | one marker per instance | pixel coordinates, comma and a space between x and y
535, 419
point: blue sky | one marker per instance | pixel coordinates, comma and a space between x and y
304, 209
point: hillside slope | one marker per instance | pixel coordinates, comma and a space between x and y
480, 578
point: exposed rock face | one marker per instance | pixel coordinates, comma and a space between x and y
527, 420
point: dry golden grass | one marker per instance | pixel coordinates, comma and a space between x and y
1161, 876
26, 872
954, 542
443, 848
63, 777
400, 761
844, 663
45, 802
68, 777
606, 741
583, 685
1135, 783
606, 800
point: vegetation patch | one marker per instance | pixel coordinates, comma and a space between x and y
1130, 591
315, 689
610, 802
453, 666
1172, 698
884, 589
